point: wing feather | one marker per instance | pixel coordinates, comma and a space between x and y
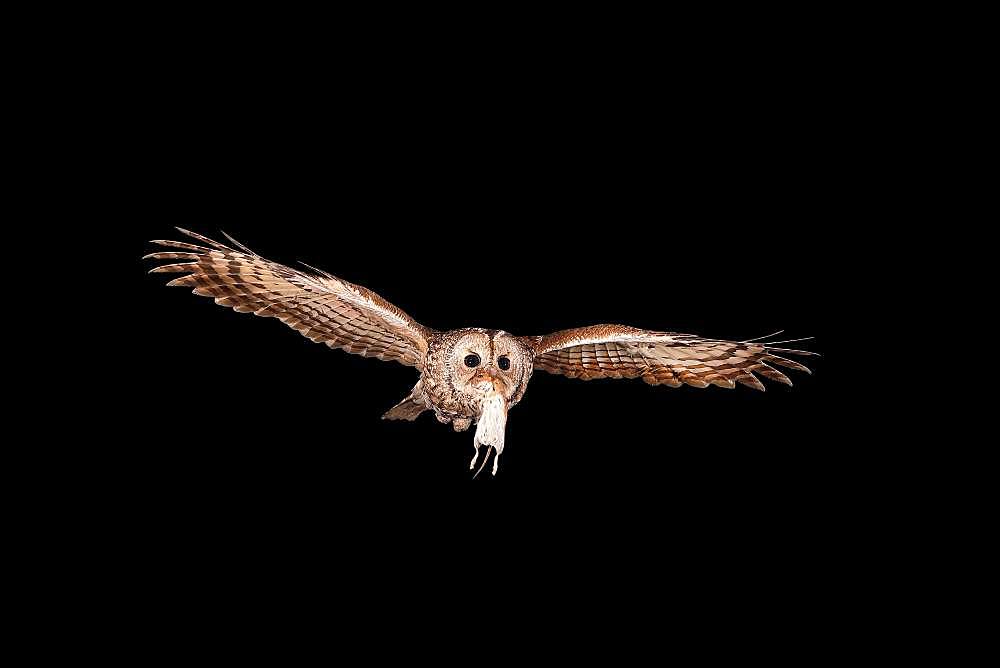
320, 306
660, 358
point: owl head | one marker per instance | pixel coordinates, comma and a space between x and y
482, 361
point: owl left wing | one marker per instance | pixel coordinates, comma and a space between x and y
321, 307
659, 358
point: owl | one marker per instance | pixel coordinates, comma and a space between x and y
470, 376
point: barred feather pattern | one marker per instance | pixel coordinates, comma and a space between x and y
660, 358
321, 307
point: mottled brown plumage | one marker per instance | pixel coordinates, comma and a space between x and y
321, 307
467, 376
659, 358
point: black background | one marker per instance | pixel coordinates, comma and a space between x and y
706, 199
218, 462
722, 175
258, 397
527, 224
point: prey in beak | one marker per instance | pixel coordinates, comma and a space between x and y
492, 419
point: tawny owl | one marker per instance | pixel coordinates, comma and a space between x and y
467, 376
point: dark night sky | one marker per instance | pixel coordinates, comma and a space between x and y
713, 215
675, 179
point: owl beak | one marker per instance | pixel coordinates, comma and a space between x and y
488, 376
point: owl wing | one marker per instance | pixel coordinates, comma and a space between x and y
659, 358
321, 307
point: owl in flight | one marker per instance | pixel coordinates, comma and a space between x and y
467, 376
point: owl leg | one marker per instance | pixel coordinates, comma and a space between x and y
472, 464
496, 462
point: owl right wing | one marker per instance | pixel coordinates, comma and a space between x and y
321, 307
659, 358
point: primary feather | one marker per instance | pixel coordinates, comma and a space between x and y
321, 307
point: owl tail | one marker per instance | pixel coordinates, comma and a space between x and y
409, 408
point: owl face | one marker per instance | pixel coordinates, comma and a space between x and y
485, 362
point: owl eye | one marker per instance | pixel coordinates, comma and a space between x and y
503, 362
472, 360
